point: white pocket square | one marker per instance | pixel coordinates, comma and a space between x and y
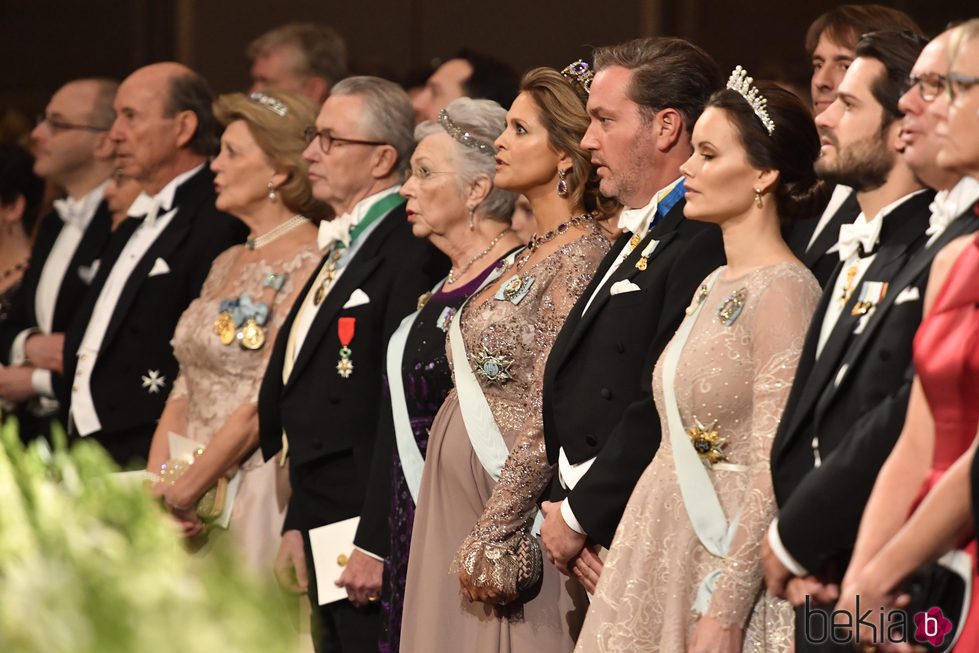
87, 272
909, 294
623, 286
159, 267
357, 298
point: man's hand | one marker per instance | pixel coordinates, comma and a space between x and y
15, 384
46, 351
777, 575
362, 578
290, 564
588, 569
561, 542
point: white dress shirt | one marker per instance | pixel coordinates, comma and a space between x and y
840, 195
949, 205
76, 214
83, 411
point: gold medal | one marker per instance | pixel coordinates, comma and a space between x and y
251, 336
423, 299
642, 263
224, 328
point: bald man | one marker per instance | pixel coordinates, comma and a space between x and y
119, 366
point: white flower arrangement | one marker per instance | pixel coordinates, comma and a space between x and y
88, 564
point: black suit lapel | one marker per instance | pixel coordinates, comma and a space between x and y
663, 232
967, 223
846, 214
357, 270
93, 241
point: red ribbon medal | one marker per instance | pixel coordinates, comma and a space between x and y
345, 332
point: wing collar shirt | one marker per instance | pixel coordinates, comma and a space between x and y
77, 214
159, 212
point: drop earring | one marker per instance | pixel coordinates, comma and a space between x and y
272, 193
562, 184
472, 222
758, 197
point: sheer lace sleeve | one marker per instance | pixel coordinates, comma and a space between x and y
500, 553
780, 319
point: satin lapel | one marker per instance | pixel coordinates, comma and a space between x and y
92, 242
350, 280
50, 227
360, 268
164, 245
846, 214
968, 223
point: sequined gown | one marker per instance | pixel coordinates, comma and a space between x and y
946, 359
738, 376
216, 379
427, 380
462, 512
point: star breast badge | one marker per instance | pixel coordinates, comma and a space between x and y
707, 442
494, 368
153, 381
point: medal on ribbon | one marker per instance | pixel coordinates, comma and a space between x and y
643, 261
345, 332
871, 294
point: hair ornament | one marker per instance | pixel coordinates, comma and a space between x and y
270, 103
463, 136
580, 75
740, 82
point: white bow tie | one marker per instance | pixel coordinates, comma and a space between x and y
633, 220
146, 207
860, 233
335, 230
944, 210
70, 211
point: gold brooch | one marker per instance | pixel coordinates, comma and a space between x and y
706, 442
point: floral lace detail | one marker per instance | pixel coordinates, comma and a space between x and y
739, 376
214, 378
500, 552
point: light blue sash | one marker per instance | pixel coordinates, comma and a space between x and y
699, 495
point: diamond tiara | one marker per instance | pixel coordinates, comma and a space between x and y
270, 102
740, 82
580, 76
463, 136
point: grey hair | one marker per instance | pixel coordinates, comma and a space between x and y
485, 120
388, 116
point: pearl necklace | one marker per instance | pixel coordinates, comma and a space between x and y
292, 223
451, 278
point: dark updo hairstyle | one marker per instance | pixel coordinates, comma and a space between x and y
562, 113
17, 179
791, 148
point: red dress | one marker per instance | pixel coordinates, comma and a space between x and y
946, 359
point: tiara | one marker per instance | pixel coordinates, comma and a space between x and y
463, 136
580, 76
270, 102
740, 82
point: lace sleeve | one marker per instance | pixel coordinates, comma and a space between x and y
782, 316
500, 553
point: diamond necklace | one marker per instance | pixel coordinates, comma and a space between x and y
452, 276
280, 231
536, 241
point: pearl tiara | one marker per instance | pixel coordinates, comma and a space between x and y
463, 136
270, 102
740, 82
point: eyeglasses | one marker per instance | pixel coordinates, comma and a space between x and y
60, 125
423, 174
958, 84
327, 140
929, 85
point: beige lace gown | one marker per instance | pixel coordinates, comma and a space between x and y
462, 512
739, 376
216, 379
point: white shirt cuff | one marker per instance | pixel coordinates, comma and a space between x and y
369, 554
775, 542
570, 519
17, 355
41, 380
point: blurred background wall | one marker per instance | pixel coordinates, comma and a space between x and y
46, 42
